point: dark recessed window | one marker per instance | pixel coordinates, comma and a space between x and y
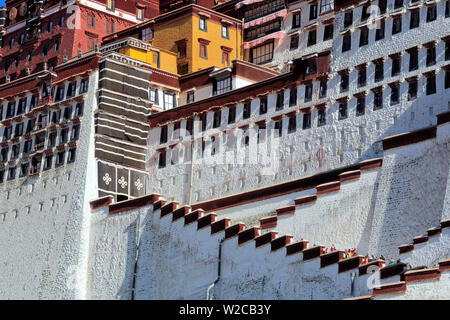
413, 61
396, 66
395, 95
163, 136
346, 42
412, 90
360, 106
312, 38
321, 117
217, 119
431, 84
397, 25
415, 19
342, 110
231, 115
431, 13
246, 110
292, 127
364, 37
306, 120
447, 79
323, 89
313, 11
362, 76
328, 32
308, 92
280, 101
263, 105
344, 82
378, 100
296, 20
379, 33
294, 42
379, 72
431, 56
162, 159
398, 4
348, 19
382, 4
293, 96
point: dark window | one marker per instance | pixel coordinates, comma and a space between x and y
2, 176
397, 25
231, 115
278, 126
312, 37
398, 4
75, 133
431, 13
246, 110
202, 24
365, 13
262, 53
306, 120
190, 97
296, 20
415, 19
321, 119
328, 32
292, 124
311, 67
379, 72
7, 133
12, 173
71, 155
396, 66
11, 110
342, 110
413, 61
4, 154
447, 51
364, 37
378, 100
395, 95
263, 105
84, 86
162, 159
313, 11
51, 139
293, 96
308, 92
183, 68
280, 101
203, 120
217, 119
221, 86
348, 19
347, 42
360, 106
382, 4
431, 84
24, 167
379, 33
18, 130
294, 42
48, 162
431, 56
412, 90
163, 136
447, 79
447, 8
362, 75
64, 136
189, 125
15, 151
79, 110
323, 89
344, 82
27, 146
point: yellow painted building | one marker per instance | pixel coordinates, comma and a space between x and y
185, 40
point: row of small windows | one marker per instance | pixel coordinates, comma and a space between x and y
396, 64
38, 142
360, 106
34, 166
396, 26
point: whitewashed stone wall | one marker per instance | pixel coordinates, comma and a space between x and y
44, 224
410, 196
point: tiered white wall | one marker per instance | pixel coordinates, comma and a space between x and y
44, 252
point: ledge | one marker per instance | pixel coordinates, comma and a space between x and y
330, 258
268, 222
423, 274
133, 204
313, 252
443, 118
265, 238
390, 288
280, 242
159, 204
350, 263
193, 216
305, 200
220, 225
169, 208
248, 234
444, 265
370, 164
392, 270
328, 187
363, 268
296, 247
408, 138
234, 230
350, 175
405, 248
433, 231
286, 210
420, 239
101, 202
180, 212
445, 224
206, 220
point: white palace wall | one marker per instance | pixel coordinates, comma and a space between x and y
44, 224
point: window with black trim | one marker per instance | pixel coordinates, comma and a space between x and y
321, 117
360, 106
344, 82
379, 71
263, 105
348, 19
262, 54
308, 92
202, 24
231, 115
222, 85
363, 37
293, 96
395, 94
413, 61
431, 13
396, 66
217, 119
414, 19
323, 89
280, 101
397, 25
292, 125
412, 90
346, 42
342, 111
246, 110
431, 56
378, 100
431, 84
294, 42
306, 120
296, 20
379, 32
328, 32
313, 11
312, 37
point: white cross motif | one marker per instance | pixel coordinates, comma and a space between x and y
138, 184
122, 182
107, 179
